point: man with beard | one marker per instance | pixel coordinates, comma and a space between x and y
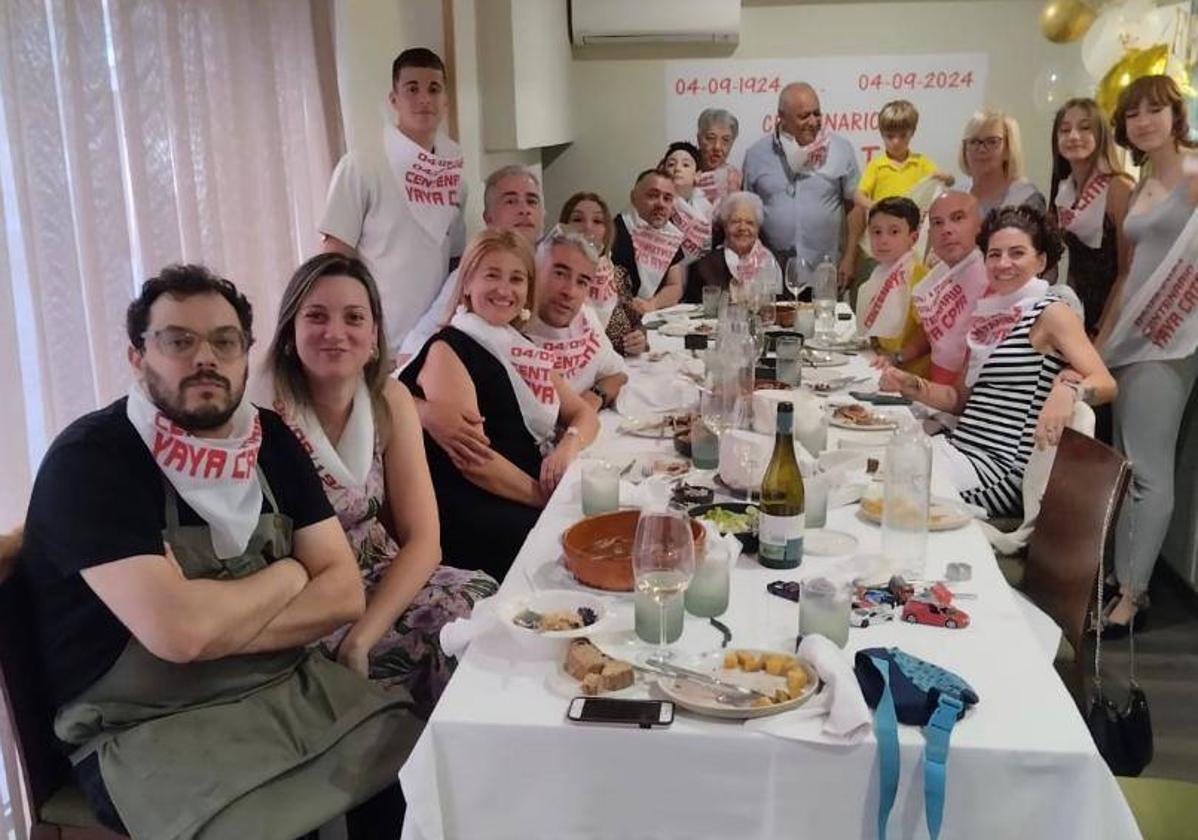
181, 556
647, 245
806, 176
585, 357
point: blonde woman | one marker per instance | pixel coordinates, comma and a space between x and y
329, 381
1088, 201
992, 156
535, 424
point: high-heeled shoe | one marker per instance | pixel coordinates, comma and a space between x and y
1118, 630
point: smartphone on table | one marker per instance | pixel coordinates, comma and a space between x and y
642, 713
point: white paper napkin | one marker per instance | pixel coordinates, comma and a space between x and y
457, 635
846, 717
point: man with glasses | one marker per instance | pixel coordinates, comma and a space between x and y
806, 176
181, 556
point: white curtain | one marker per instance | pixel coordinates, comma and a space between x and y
134, 134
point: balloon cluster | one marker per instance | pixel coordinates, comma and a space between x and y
1121, 43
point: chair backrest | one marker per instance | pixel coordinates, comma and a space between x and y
23, 693
1074, 531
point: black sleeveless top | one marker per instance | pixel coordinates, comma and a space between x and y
480, 530
1092, 271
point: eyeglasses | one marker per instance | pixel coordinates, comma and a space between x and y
228, 343
989, 143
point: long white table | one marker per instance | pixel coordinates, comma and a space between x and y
498, 758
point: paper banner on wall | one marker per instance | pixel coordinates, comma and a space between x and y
946, 89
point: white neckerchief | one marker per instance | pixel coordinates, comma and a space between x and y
430, 181
1082, 215
994, 317
654, 249
806, 159
346, 465
944, 299
745, 269
528, 368
883, 300
1157, 323
693, 218
217, 477
603, 293
576, 347
715, 183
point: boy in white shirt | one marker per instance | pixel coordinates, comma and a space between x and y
400, 208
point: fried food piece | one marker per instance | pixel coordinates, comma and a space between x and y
796, 680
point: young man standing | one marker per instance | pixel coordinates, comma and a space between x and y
181, 557
400, 209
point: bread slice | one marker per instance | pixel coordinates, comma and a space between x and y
584, 658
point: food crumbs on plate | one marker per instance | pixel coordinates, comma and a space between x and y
730, 659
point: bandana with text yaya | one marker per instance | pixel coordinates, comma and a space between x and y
716, 183
884, 299
944, 301
1082, 214
1157, 321
806, 159
216, 477
693, 218
993, 319
529, 368
654, 249
603, 295
430, 181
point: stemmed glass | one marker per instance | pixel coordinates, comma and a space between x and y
799, 274
663, 562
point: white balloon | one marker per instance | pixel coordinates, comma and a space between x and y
1129, 25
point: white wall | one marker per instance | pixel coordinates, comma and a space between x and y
619, 91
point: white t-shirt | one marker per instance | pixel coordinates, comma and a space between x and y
436, 316
366, 209
585, 354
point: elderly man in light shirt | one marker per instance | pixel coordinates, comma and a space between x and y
585, 357
806, 176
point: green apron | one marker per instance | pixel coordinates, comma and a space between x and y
254, 745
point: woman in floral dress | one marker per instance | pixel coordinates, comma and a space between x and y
329, 379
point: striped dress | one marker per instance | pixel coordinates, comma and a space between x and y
996, 431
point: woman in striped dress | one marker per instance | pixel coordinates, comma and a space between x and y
1029, 362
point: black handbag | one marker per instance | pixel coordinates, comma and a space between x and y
1123, 736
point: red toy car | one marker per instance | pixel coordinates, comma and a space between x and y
925, 612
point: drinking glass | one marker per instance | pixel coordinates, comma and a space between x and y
663, 561
789, 350
600, 487
711, 301
798, 275
824, 607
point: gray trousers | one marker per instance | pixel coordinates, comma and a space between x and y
1148, 412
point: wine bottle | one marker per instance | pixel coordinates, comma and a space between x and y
780, 526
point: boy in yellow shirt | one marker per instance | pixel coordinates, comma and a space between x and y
885, 311
898, 169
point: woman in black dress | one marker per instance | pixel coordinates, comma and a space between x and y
1088, 201
535, 424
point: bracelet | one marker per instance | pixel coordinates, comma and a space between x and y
1081, 392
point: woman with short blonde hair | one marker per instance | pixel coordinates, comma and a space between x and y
992, 156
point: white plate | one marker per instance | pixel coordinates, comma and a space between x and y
678, 329
700, 700
824, 360
825, 542
882, 426
547, 600
562, 684
648, 427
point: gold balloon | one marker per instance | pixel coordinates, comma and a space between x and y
1133, 65
1062, 21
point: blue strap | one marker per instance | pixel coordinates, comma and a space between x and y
886, 733
935, 758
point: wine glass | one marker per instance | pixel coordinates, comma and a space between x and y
798, 275
663, 562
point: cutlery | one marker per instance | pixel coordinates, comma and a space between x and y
738, 692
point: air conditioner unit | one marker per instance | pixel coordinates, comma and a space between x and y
595, 22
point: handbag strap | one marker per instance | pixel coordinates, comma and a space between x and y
886, 733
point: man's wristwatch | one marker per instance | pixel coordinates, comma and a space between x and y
602, 395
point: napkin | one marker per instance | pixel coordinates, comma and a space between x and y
457, 635
846, 717
654, 393
715, 540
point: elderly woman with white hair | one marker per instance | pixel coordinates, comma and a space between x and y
992, 156
741, 258
715, 137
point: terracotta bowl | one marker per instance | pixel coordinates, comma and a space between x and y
613, 569
784, 313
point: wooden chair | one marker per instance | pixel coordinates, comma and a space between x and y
1073, 534
59, 810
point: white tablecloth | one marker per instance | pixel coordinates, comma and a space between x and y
498, 759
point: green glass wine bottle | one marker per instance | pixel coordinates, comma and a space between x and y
780, 527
